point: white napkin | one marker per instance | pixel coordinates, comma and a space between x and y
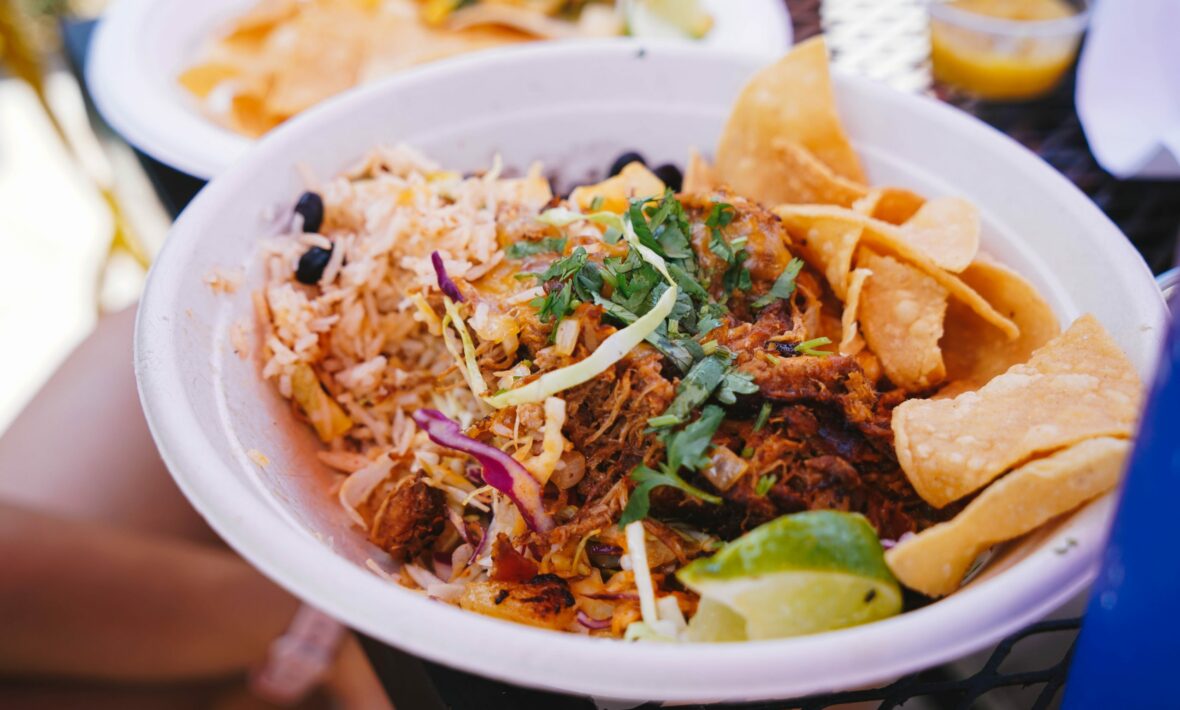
1128, 92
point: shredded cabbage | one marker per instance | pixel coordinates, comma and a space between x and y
637, 551
613, 348
471, 369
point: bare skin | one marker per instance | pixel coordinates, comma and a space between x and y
108, 575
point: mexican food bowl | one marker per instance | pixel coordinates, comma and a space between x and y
252, 469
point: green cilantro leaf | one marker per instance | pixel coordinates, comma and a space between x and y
763, 416
808, 347
685, 449
733, 384
523, 249
736, 276
764, 484
784, 285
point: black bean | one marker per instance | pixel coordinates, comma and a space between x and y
671, 176
311, 207
786, 349
624, 160
312, 264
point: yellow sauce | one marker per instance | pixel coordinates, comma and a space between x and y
1002, 67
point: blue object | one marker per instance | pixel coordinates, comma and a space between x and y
1128, 653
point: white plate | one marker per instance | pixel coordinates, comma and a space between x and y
141, 46
207, 407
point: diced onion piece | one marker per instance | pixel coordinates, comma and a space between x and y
566, 338
432, 585
637, 551
357, 488
553, 445
724, 468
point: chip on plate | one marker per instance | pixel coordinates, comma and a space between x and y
881, 236
699, 175
764, 122
947, 230
900, 312
935, 560
894, 205
975, 352
1078, 386
850, 340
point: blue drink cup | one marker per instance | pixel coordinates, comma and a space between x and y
1128, 652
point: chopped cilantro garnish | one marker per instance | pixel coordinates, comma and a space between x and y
764, 484
747, 451
736, 276
685, 449
784, 285
711, 375
568, 281
763, 416
808, 347
522, 249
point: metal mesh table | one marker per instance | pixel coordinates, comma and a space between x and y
1148, 212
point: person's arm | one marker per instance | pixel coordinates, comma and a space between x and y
88, 601
81, 448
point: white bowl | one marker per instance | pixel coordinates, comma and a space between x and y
207, 407
141, 46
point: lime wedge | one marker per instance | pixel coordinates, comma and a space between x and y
667, 18
798, 574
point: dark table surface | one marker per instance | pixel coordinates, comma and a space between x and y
1148, 212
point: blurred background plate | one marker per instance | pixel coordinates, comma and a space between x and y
142, 45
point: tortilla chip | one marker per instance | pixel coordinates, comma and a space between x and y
827, 245
633, 181
200, 79
789, 103
895, 205
799, 219
1078, 386
934, 561
889, 204
901, 311
975, 353
320, 57
532, 190
249, 115
698, 175
947, 230
254, 25
850, 341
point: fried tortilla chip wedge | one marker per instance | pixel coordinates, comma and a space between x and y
934, 561
947, 230
827, 245
894, 205
698, 174
975, 352
789, 103
1078, 386
901, 311
850, 342
881, 236
634, 180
